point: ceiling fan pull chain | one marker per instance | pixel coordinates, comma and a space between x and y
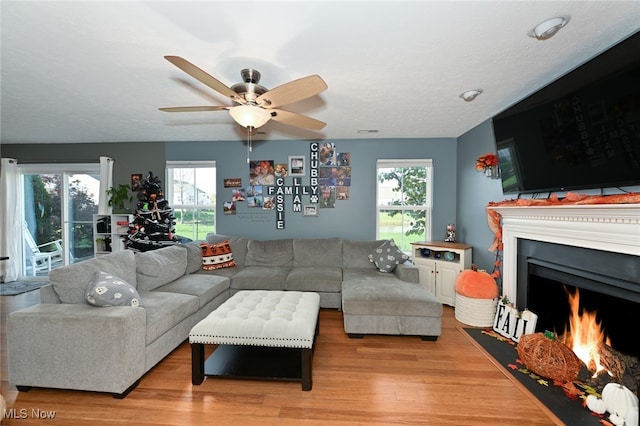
249, 147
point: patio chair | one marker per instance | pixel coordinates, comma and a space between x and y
41, 257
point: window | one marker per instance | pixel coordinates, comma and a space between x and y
404, 201
191, 192
509, 166
58, 203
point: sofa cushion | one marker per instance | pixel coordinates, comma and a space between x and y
314, 278
166, 310
70, 282
355, 254
317, 252
217, 256
109, 290
194, 255
224, 272
159, 267
260, 278
204, 287
387, 256
238, 245
269, 253
376, 293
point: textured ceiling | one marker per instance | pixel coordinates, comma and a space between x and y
90, 71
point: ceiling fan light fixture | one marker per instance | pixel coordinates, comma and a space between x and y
547, 29
250, 115
470, 95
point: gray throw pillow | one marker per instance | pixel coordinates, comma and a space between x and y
109, 290
387, 256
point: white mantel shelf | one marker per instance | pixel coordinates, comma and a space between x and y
609, 227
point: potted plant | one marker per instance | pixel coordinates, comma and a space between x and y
118, 196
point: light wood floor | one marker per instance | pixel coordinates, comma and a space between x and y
378, 380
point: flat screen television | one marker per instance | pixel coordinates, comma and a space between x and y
581, 131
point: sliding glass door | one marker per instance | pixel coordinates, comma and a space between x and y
58, 204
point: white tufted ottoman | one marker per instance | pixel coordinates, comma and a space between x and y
261, 334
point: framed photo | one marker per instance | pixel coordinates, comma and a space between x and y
310, 210
233, 182
136, 182
297, 165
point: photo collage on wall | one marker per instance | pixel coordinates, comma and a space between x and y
265, 187
334, 175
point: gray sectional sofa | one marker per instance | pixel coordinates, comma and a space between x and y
65, 342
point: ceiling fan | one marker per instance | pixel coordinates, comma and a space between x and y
254, 105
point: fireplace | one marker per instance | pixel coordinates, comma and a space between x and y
549, 251
606, 284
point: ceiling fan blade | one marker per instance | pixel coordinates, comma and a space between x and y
293, 91
297, 120
203, 77
193, 108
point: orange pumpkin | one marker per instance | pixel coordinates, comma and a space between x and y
476, 284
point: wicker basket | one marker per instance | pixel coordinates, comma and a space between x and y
475, 312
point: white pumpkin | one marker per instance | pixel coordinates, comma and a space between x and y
631, 418
616, 420
596, 405
618, 399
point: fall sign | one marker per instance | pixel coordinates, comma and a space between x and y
511, 323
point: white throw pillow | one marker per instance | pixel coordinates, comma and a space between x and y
388, 256
109, 290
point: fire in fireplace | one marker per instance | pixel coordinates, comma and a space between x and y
585, 334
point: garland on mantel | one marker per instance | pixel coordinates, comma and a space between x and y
495, 219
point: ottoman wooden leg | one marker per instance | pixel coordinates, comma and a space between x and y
306, 358
197, 363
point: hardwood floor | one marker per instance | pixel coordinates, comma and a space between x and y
377, 380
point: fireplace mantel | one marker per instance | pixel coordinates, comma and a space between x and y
608, 227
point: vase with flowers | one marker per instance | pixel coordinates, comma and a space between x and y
488, 164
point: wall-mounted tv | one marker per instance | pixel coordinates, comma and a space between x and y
581, 131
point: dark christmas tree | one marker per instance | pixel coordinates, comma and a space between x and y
153, 226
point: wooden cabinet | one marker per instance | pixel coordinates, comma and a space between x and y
109, 231
440, 264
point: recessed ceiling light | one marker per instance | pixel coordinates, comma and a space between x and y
470, 95
368, 131
547, 29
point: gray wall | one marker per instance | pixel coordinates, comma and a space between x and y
475, 191
130, 157
354, 218
461, 194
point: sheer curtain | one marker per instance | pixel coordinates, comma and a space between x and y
10, 223
106, 182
